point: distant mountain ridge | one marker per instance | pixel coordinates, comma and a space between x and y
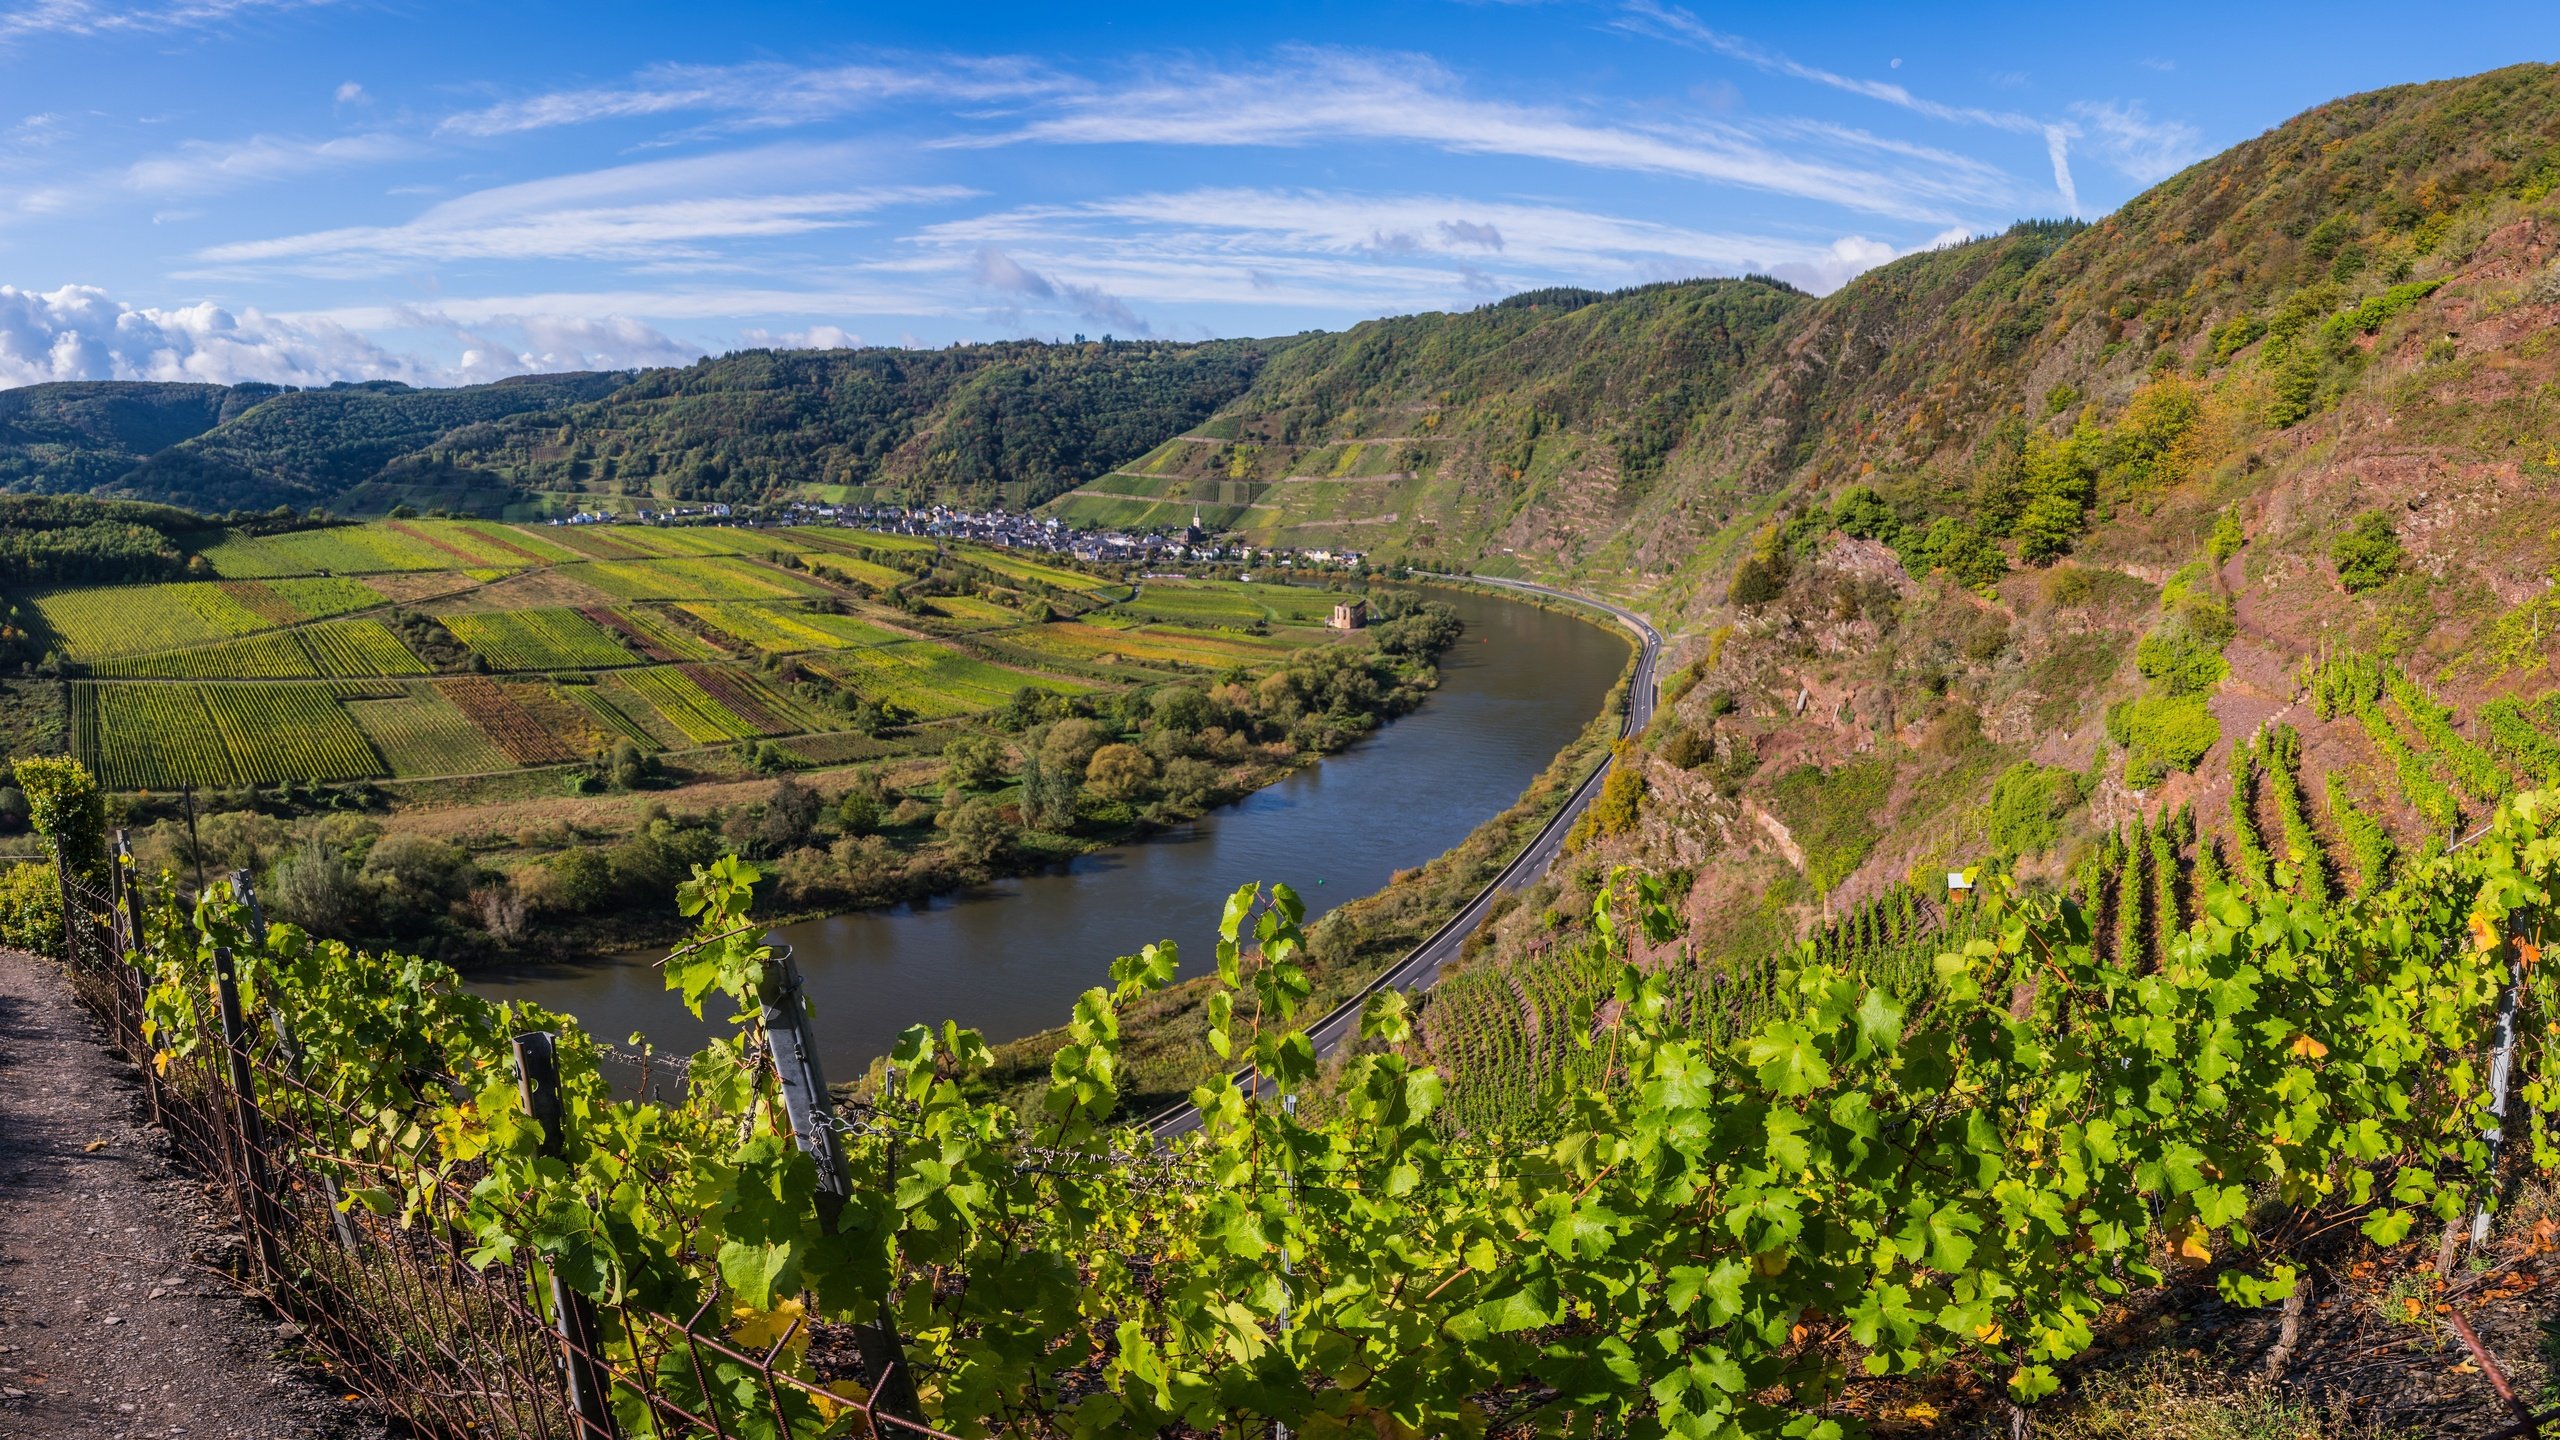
1015, 421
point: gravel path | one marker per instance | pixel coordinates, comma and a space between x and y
115, 1318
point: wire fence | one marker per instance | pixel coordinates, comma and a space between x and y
407, 1309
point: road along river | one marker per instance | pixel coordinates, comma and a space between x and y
1009, 958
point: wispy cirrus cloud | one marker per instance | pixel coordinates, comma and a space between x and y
92, 18
764, 95
200, 166
2144, 149
1312, 95
2139, 147
655, 211
1281, 247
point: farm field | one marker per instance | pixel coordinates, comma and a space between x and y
419, 732
146, 735
335, 649
553, 639
95, 622
699, 578
317, 655
782, 630
935, 681
1232, 604
1208, 650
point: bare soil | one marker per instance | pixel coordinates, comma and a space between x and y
116, 1315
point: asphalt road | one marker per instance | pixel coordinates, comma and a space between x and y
1420, 968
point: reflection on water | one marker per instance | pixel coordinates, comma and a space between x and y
1010, 957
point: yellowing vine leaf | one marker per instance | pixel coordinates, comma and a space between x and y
2308, 1048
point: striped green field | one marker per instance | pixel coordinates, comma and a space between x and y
934, 681
154, 735
419, 732
556, 638
707, 578
686, 706
96, 622
381, 548
780, 630
335, 649
1015, 566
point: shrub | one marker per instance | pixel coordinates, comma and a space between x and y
1688, 748
2227, 537
582, 881
31, 909
2180, 662
2161, 734
2368, 555
65, 806
2026, 801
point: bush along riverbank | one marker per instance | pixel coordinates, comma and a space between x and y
1034, 783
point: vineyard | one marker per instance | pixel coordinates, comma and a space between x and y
677, 695
419, 732
934, 681
508, 725
654, 633
114, 620
611, 634
549, 639
335, 649
157, 735
1232, 605
781, 630
711, 578
1203, 650
1869, 1165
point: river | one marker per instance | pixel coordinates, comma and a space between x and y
1008, 958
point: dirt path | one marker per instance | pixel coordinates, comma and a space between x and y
113, 1319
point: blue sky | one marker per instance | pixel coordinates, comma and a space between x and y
303, 191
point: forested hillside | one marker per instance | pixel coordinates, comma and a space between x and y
1013, 422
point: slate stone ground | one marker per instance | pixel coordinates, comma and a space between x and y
116, 1319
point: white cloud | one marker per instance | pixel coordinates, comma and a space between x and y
2144, 149
816, 337
2057, 144
1317, 95
999, 272
762, 95
1362, 253
1670, 22
81, 333
89, 18
199, 166
665, 210
352, 93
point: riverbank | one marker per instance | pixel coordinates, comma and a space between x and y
1009, 958
1165, 1051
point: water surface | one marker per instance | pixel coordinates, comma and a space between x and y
1009, 957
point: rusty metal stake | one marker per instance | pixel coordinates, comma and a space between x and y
2531, 1425
581, 1339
